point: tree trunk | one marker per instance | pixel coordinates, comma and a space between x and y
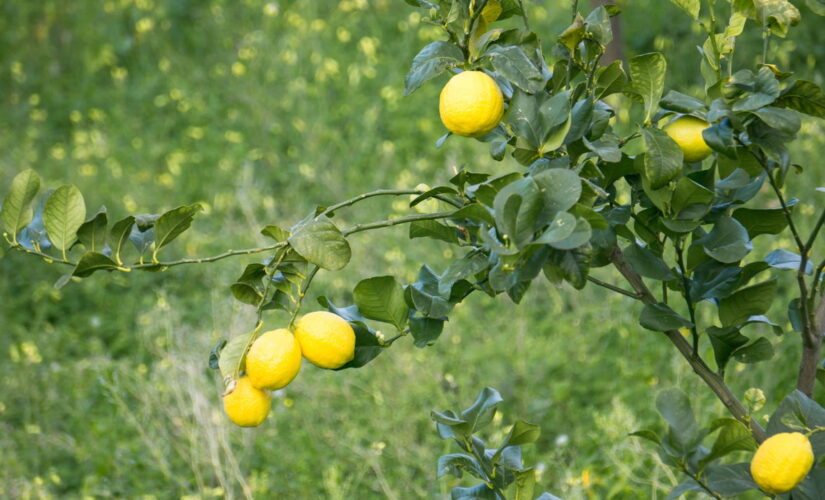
615, 50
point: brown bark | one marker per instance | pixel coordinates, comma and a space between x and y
614, 50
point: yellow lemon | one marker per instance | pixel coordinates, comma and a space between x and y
246, 405
471, 104
273, 360
782, 462
687, 133
326, 339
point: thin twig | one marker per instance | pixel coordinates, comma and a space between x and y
399, 220
614, 288
711, 379
680, 260
301, 294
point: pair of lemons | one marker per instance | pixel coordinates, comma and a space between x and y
472, 105
274, 359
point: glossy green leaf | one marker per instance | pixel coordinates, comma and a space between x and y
514, 65
482, 410
433, 229
663, 158
682, 103
647, 74
560, 188
92, 233
725, 341
728, 242
763, 221
319, 241
661, 318
232, 354
433, 60
171, 224
783, 259
16, 211
750, 301
689, 6
517, 209
674, 405
730, 480
733, 436
803, 96
275, 232
381, 298
786, 121
646, 263
425, 331
456, 463
525, 484
762, 89
119, 234
63, 214
759, 350
93, 261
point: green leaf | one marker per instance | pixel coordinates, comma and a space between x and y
661, 318
560, 228
215, 354
784, 120
514, 65
597, 25
728, 242
425, 331
611, 79
648, 435
762, 221
571, 266
426, 297
783, 259
674, 405
647, 74
578, 238
560, 188
682, 103
690, 199
433, 229
646, 263
761, 90
16, 212
92, 233
276, 233
381, 298
753, 300
63, 214
730, 480
759, 350
477, 492
803, 96
91, 262
456, 463
231, 355
663, 158
517, 210
319, 241
733, 436
526, 479
119, 234
779, 15
521, 433
171, 224
725, 341
689, 6
433, 60
688, 484
481, 412
142, 240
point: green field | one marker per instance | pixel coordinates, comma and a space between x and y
260, 111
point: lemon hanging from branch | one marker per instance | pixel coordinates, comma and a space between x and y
687, 133
471, 104
782, 462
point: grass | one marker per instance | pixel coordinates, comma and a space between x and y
259, 111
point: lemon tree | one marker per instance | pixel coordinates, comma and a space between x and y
672, 208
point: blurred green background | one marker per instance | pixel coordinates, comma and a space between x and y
260, 110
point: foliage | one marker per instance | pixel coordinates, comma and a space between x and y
584, 189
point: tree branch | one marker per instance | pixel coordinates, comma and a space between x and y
716, 384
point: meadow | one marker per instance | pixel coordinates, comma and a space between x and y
260, 111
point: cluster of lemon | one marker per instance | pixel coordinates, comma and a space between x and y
274, 359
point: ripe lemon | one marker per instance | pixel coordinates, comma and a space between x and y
273, 360
246, 405
687, 132
782, 462
471, 104
326, 339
